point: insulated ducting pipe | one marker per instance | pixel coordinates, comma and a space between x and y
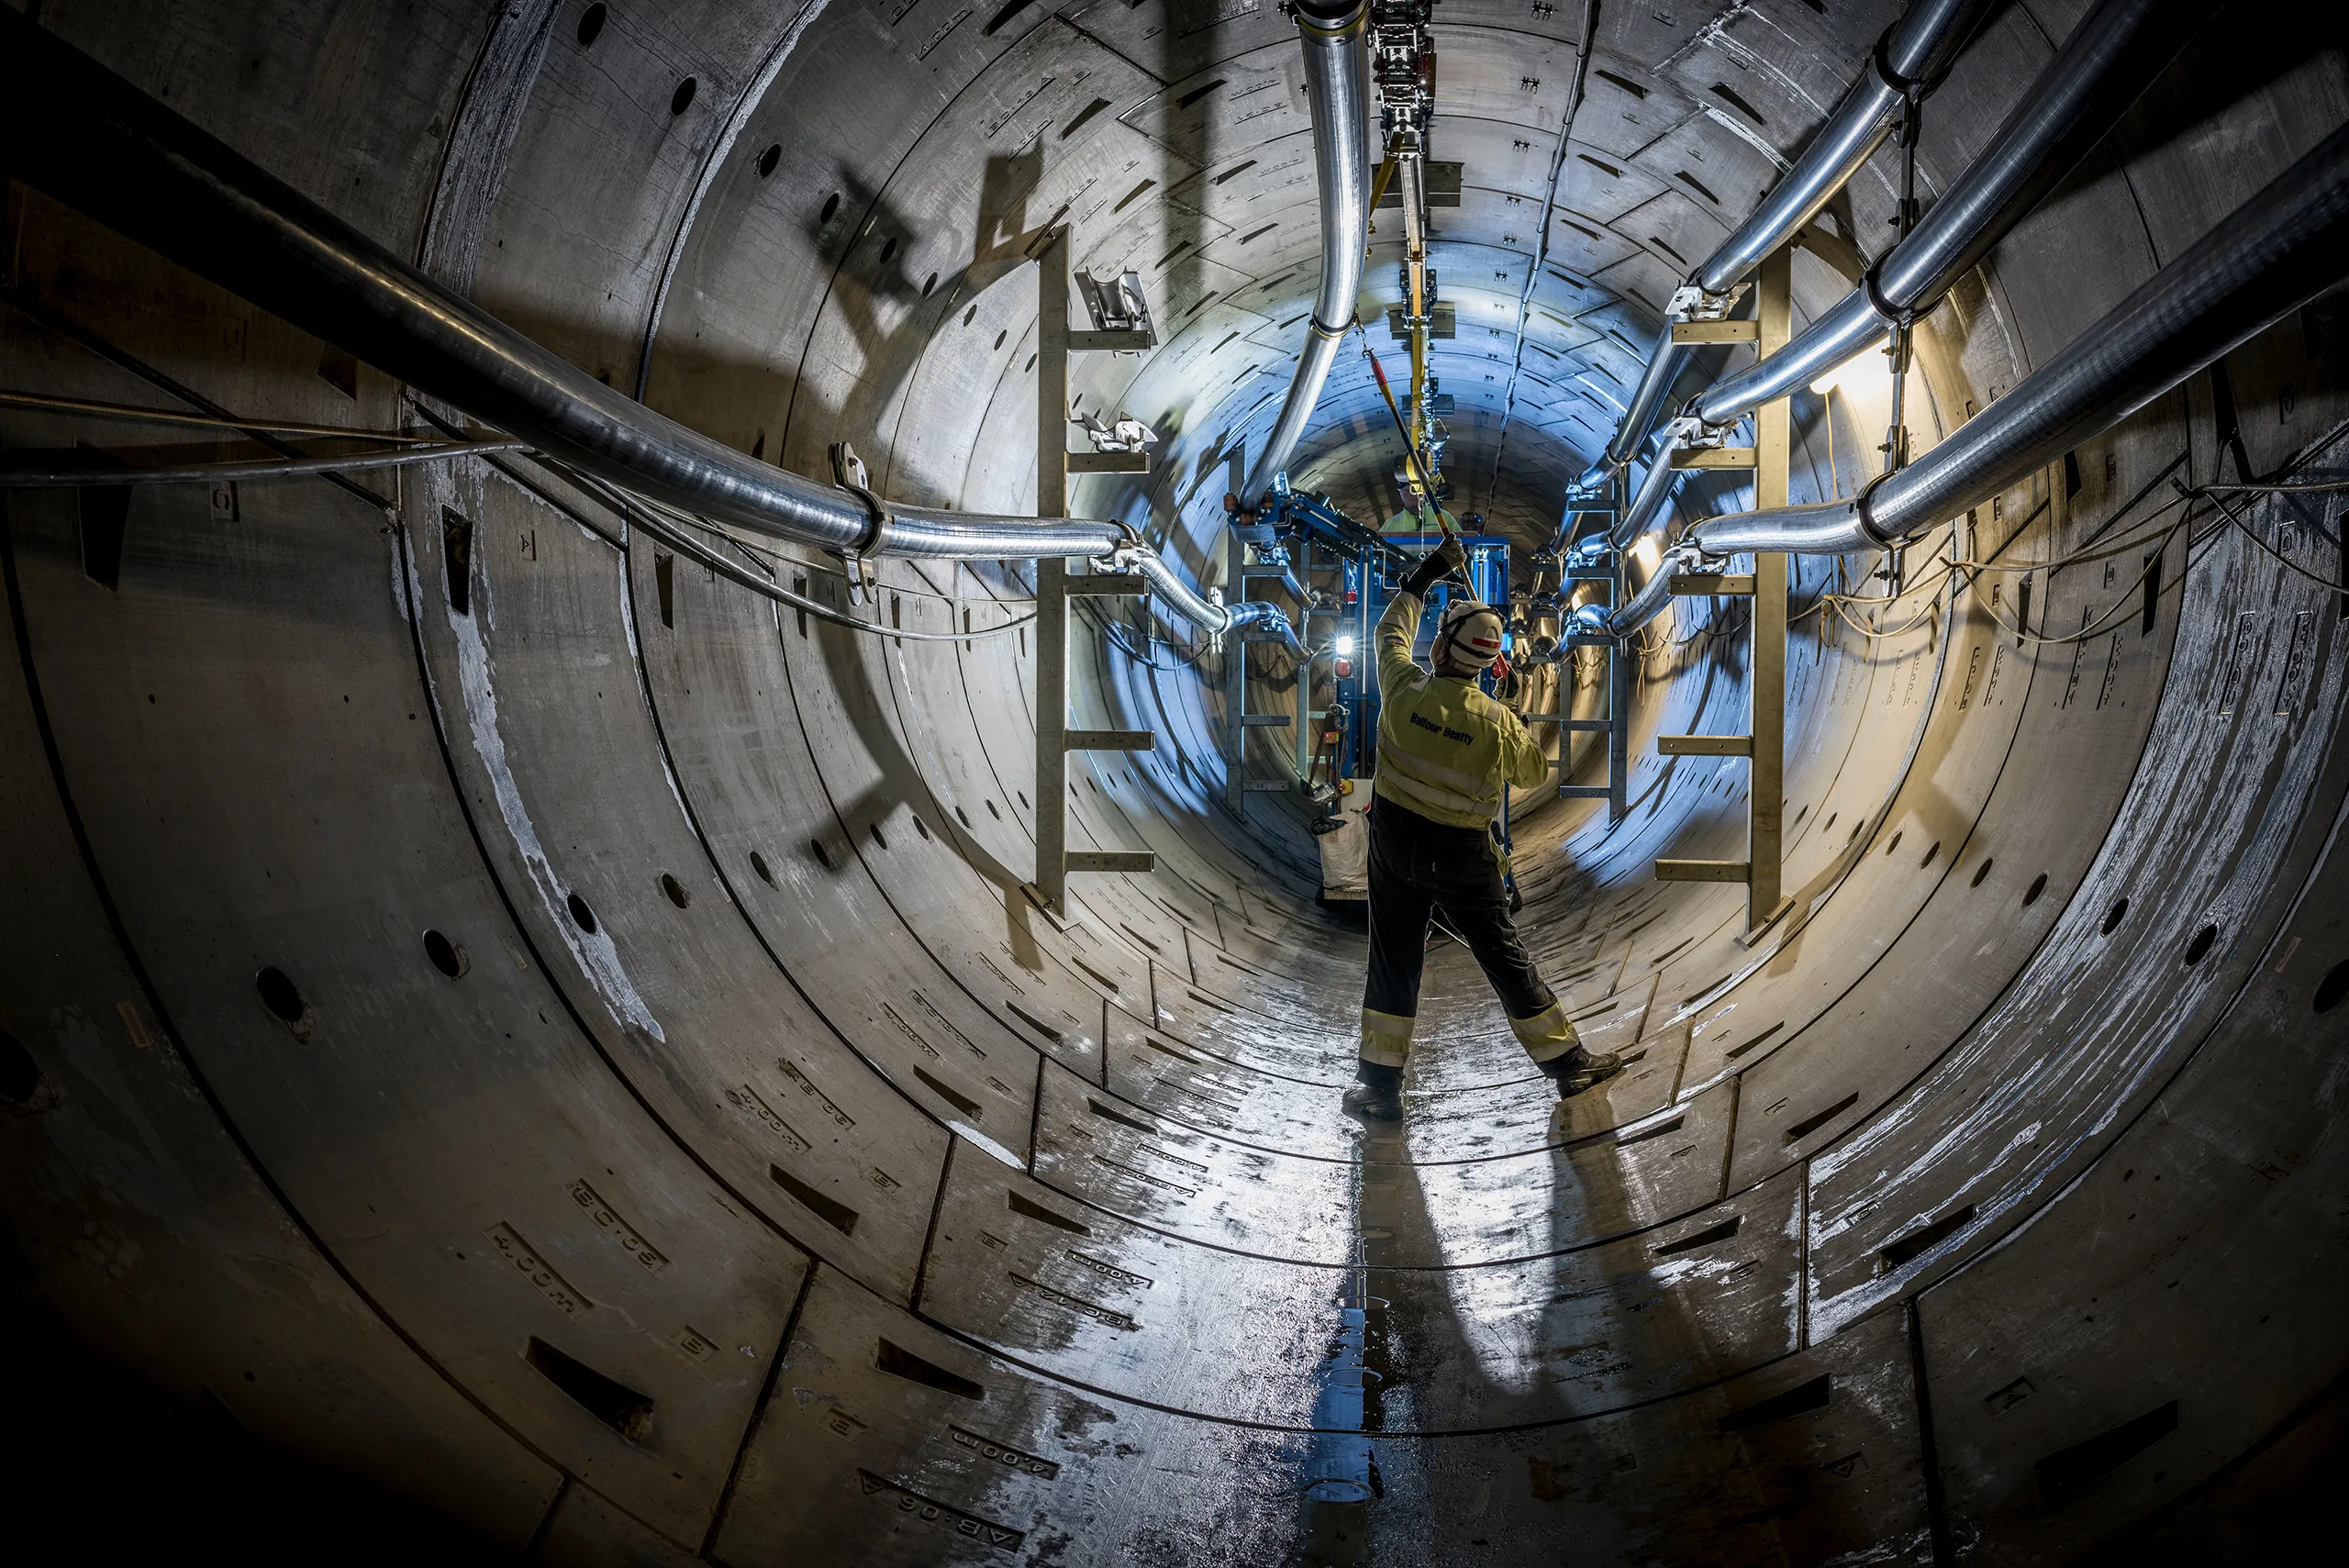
1654, 593
1917, 49
2102, 70
93, 142
1655, 490
1337, 88
2275, 253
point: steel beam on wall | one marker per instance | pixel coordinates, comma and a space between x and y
1764, 743
1055, 588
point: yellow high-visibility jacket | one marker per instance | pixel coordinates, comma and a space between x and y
1407, 522
1444, 748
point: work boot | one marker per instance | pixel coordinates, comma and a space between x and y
1376, 1092
1580, 1070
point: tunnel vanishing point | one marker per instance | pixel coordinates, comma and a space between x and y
636, 928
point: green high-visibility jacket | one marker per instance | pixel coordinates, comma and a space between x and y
1444, 748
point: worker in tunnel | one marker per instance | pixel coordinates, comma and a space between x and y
1445, 751
1420, 514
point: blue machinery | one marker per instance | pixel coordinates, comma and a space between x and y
1341, 575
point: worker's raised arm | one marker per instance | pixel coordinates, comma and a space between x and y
1399, 626
1522, 764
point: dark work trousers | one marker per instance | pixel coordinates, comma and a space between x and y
1418, 866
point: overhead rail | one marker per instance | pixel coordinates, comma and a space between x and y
2272, 255
2105, 66
1907, 61
95, 142
1337, 90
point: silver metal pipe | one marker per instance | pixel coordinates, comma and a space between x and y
1655, 490
2102, 68
2268, 258
91, 140
1918, 48
1337, 88
1654, 593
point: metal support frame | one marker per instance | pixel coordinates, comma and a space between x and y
1607, 571
1764, 741
1238, 721
1055, 588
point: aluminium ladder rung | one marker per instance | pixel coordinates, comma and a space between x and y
1594, 575
1110, 859
1704, 745
1264, 721
1109, 463
1715, 457
1705, 584
1702, 871
1586, 792
1110, 741
1117, 342
1267, 786
1748, 331
1101, 585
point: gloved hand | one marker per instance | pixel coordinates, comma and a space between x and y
1434, 567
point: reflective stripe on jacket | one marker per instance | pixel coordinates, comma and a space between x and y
1444, 748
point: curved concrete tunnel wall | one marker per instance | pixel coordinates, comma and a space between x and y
772, 1178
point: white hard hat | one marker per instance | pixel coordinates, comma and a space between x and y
1467, 633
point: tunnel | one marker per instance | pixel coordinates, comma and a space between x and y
533, 1022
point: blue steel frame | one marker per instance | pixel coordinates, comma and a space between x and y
1372, 564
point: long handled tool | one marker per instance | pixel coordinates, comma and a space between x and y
1426, 488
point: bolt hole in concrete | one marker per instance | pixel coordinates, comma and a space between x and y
992, 811
963, 815
591, 24
2038, 886
1930, 855
2200, 948
879, 842
580, 913
675, 890
279, 994
683, 98
1979, 872
20, 1075
1893, 844
921, 827
823, 856
2332, 988
2114, 916
446, 956
759, 864
615, 1404
831, 206
769, 158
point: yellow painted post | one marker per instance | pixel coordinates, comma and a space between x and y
1766, 800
